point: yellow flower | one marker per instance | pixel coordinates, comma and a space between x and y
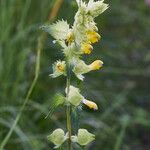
86, 48
93, 36
96, 65
70, 38
60, 66
90, 104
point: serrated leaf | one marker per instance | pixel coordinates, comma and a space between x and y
58, 30
57, 101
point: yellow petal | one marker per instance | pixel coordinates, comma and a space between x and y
93, 36
86, 48
60, 66
90, 104
96, 65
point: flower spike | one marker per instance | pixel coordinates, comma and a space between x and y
75, 41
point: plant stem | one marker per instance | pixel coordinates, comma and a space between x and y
68, 109
69, 126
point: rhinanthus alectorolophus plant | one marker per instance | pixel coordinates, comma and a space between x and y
75, 41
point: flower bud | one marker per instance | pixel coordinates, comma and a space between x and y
57, 137
96, 65
96, 8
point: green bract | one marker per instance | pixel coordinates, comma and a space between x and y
96, 8
58, 30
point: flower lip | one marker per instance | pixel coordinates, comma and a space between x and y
86, 48
90, 104
92, 36
96, 65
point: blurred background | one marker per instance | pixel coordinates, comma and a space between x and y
121, 88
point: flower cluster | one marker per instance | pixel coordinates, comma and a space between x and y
76, 41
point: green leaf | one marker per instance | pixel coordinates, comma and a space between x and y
57, 101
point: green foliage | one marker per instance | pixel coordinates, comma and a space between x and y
58, 100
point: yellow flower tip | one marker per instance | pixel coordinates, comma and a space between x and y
86, 48
70, 38
90, 104
60, 66
93, 36
96, 65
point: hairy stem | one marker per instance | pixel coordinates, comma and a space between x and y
69, 126
68, 110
